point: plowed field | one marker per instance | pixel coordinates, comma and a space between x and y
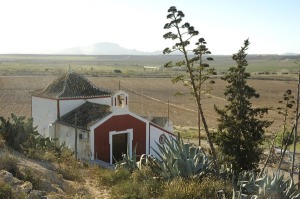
149, 97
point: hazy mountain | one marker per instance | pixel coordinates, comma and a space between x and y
291, 54
107, 48
104, 48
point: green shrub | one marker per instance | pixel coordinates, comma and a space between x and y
181, 188
39, 147
68, 166
149, 186
137, 186
194, 188
81, 193
17, 131
109, 177
120, 175
69, 173
131, 189
124, 184
66, 155
283, 139
210, 186
48, 155
2, 142
9, 163
117, 71
5, 191
145, 173
126, 189
30, 176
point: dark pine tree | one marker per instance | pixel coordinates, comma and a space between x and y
240, 130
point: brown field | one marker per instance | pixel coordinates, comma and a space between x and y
149, 97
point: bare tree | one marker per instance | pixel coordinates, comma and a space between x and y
196, 68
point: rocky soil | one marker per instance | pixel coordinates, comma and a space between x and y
40, 179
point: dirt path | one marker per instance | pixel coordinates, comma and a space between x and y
92, 186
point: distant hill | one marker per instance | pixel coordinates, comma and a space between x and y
104, 48
291, 54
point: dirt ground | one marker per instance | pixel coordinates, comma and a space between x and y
150, 97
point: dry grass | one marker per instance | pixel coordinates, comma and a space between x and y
149, 97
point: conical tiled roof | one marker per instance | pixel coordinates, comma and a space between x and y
72, 85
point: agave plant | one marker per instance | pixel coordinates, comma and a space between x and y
178, 159
265, 187
129, 162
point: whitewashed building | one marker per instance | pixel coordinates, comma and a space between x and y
104, 124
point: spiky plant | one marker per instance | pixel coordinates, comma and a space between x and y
178, 159
130, 162
249, 186
288, 113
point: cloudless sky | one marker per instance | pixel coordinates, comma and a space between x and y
34, 26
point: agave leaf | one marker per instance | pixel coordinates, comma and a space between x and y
192, 152
290, 189
250, 188
190, 167
296, 196
157, 153
198, 168
186, 149
143, 160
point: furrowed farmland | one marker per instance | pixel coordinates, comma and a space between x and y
150, 88
150, 96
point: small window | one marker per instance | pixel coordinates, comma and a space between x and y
80, 136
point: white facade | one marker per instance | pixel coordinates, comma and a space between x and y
157, 136
44, 112
66, 134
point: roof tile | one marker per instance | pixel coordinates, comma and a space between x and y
72, 85
86, 114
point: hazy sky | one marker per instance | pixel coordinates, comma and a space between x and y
33, 26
